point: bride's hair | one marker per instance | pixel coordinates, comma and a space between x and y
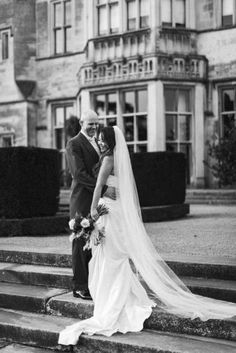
108, 136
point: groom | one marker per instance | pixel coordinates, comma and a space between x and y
83, 153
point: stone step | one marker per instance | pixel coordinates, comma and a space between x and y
186, 266
43, 330
19, 348
57, 302
27, 297
61, 278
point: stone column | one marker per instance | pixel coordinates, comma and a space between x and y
85, 103
198, 149
156, 117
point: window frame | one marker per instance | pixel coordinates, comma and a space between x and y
178, 142
222, 112
120, 115
107, 4
3, 33
138, 21
233, 15
63, 27
172, 24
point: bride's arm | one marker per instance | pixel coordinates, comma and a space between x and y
105, 171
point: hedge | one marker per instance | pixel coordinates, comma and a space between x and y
29, 182
160, 177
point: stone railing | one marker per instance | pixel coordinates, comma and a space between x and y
116, 46
138, 68
182, 67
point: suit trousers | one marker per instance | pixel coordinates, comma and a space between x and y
80, 260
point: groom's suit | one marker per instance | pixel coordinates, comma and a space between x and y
81, 157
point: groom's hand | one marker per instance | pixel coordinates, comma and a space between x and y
110, 192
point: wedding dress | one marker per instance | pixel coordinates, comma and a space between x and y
121, 303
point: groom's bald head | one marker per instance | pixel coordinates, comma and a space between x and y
89, 122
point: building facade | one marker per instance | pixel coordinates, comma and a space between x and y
162, 70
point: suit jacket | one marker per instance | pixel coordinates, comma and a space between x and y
81, 158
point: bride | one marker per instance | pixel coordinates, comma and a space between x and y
121, 303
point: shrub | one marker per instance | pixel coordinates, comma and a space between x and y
29, 182
223, 158
160, 177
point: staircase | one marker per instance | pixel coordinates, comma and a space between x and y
211, 196
36, 303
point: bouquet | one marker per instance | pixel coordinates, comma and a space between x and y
87, 228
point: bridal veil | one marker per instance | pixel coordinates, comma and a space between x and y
171, 293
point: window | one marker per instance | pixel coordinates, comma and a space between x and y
178, 115
5, 35
106, 108
62, 28
228, 110
135, 119
7, 140
108, 16
228, 10
137, 14
61, 113
173, 13
132, 117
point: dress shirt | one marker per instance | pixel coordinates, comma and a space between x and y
93, 142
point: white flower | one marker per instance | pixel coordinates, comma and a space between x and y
85, 223
71, 224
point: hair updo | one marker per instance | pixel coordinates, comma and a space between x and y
108, 136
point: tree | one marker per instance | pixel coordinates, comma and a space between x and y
223, 158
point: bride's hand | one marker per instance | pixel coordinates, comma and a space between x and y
94, 214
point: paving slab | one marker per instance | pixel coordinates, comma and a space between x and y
19, 348
38, 329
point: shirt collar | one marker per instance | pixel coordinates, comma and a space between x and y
91, 139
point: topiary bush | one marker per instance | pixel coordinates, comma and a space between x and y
160, 177
29, 182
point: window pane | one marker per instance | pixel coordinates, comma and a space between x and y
67, 13
68, 39
129, 100
142, 128
5, 46
166, 13
111, 108
187, 150
179, 13
144, 13
69, 111
141, 148
102, 20
59, 117
228, 100
131, 148
184, 128
57, 14
184, 101
7, 141
142, 101
172, 147
171, 127
171, 100
227, 12
228, 121
114, 18
132, 14
129, 128
59, 139
59, 41
111, 121
100, 105
227, 7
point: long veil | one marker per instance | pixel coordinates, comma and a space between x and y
171, 293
